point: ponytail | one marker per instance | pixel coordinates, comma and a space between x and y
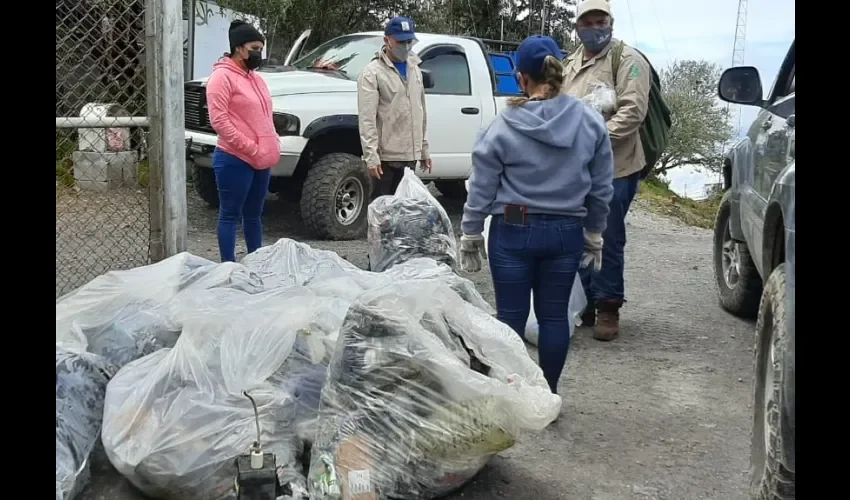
551, 77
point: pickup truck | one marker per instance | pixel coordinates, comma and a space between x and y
315, 114
754, 258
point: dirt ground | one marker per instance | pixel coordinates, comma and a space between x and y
662, 413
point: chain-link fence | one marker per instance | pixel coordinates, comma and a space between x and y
108, 173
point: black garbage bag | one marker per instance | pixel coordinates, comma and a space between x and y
409, 224
81, 380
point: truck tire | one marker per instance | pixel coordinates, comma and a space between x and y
454, 190
335, 197
738, 282
770, 479
205, 186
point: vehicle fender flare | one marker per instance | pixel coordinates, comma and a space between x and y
779, 204
330, 122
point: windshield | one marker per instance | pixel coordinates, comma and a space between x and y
347, 54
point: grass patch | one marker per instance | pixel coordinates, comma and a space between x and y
64, 164
144, 173
658, 198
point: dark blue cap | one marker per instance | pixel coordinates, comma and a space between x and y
401, 28
533, 51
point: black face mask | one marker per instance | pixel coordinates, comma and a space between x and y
255, 59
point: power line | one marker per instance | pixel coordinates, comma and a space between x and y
661, 30
632, 21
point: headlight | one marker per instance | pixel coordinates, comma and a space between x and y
285, 124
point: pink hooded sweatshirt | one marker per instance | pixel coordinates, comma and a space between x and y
240, 107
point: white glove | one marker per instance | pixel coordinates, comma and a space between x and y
592, 251
472, 252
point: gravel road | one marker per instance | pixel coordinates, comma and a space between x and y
662, 413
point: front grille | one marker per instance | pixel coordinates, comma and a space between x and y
197, 112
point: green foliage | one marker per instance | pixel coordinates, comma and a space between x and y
284, 20
64, 164
700, 123
655, 195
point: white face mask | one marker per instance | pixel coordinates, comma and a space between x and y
400, 51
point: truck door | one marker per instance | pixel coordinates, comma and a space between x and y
297, 48
454, 111
771, 136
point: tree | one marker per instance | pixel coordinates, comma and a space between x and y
284, 20
700, 123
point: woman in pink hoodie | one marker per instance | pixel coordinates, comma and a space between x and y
240, 106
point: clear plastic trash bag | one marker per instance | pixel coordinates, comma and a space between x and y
288, 262
409, 224
81, 380
175, 420
422, 390
123, 315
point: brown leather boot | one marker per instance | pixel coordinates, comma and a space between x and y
607, 320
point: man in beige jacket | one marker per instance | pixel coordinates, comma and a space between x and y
587, 68
391, 108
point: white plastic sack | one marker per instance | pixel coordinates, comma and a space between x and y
409, 224
175, 420
423, 389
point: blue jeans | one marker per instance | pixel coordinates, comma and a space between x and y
608, 283
544, 256
241, 194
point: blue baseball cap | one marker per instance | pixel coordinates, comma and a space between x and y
533, 51
402, 29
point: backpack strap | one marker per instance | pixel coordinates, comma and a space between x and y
616, 57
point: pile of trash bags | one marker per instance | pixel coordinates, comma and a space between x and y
368, 385
409, 224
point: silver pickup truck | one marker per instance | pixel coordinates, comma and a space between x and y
754, 263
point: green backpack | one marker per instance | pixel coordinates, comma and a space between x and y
655, 129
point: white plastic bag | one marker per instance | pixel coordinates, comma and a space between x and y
601, 98
409, 224
423, 389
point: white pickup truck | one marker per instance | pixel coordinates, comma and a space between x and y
316, 118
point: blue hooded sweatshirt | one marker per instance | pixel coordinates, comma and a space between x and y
552, 156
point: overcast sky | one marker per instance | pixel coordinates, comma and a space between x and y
667, 30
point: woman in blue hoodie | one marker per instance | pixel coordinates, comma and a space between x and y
544, 171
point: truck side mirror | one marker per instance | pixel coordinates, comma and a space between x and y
427, 79
741, 85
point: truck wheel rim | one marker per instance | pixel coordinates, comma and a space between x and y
731, 259
349, 201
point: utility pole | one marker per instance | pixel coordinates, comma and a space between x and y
738, 50
543, 19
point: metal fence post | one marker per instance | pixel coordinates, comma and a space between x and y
164, 39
